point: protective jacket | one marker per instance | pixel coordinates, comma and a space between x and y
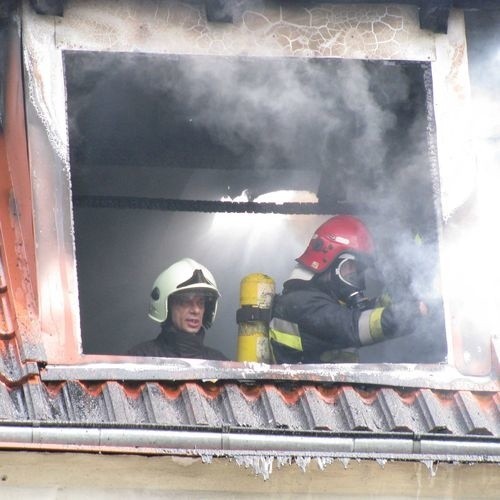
311, 326
172, 343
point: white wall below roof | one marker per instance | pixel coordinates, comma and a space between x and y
25, 475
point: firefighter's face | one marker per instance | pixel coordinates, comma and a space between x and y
187, 312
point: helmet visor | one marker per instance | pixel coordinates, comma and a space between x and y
197, 278
189, 294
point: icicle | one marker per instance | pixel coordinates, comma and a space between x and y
283, 461
207, 459
345, 462
303, 462
262, 465
323, 462
431, 465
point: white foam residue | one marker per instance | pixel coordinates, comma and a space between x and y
45, 81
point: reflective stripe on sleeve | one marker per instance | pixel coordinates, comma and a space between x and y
370, 326
285, 333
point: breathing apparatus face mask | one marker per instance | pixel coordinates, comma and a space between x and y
350, 271
346, 279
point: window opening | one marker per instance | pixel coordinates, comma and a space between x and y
234, 162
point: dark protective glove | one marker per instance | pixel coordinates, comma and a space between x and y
402, 318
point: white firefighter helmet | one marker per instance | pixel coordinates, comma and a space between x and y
185, 275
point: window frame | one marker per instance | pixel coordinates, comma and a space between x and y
49, 140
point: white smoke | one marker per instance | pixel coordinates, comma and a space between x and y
331, 127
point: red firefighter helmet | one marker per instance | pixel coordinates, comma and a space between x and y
340, 233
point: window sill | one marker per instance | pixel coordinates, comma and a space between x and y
432, 376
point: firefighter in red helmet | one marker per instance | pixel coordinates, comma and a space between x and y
322, 314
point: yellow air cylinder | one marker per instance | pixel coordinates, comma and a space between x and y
256, 297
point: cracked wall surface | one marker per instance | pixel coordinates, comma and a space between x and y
372, 32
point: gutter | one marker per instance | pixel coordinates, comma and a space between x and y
224, 443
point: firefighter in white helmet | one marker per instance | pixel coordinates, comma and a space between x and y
184, 301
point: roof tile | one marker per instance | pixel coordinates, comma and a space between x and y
318, 413
8, 409
159, 409
35, 400
238, 410
432, 412
476, 421
197, 406
278, 414
354, 410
